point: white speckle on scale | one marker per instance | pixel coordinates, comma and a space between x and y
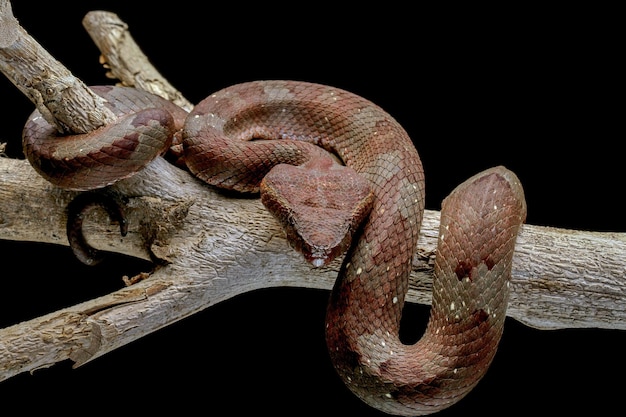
359, 270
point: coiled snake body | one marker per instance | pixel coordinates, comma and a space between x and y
228, 142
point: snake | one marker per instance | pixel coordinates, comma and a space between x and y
76, 210
313, 151
147, 126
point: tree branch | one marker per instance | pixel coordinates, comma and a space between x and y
61, 98
220, 246
216, 246
125, 60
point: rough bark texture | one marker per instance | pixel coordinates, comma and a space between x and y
218, 246
63, 100
125, 60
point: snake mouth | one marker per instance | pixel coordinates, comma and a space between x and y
316, 253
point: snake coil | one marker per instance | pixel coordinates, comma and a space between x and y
243, 136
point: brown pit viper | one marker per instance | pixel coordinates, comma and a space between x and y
342, 176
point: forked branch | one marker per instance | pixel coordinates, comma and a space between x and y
212, 246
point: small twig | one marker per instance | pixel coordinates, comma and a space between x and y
124, 60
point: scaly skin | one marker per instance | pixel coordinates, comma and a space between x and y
479, 225
144, 129
228, 141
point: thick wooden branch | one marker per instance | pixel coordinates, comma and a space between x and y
216, 246
220, 246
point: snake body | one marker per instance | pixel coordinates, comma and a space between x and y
480, 221
74, 226
144, 129
237, 136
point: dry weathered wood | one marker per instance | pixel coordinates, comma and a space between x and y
219, 246
61, 98
125, 60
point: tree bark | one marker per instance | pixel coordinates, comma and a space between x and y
125, 60
214, 246
61, 98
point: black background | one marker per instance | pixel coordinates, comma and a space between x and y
534, 90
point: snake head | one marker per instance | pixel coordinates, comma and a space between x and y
319, 204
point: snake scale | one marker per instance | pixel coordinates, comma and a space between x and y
295, 142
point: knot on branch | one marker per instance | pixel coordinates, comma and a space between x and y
160, 219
